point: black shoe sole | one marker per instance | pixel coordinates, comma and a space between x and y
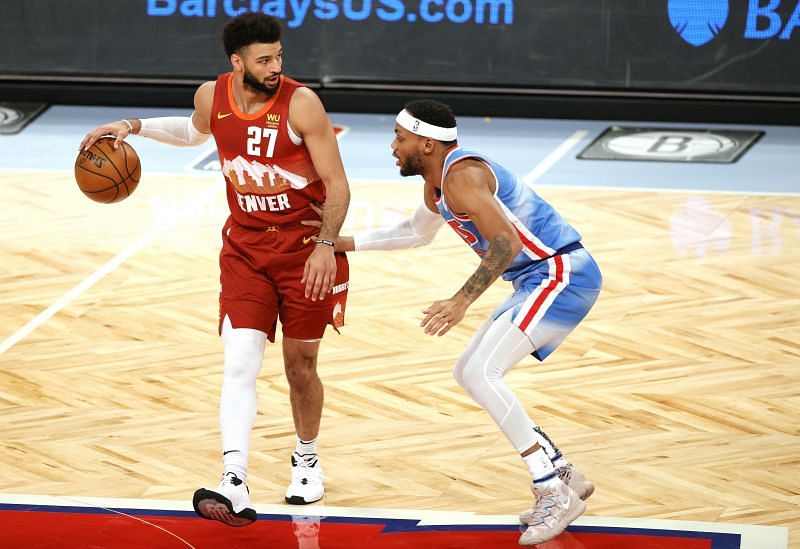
204, 498
297, 500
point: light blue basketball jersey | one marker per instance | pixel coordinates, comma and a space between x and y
540, 227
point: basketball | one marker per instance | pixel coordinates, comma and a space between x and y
106, 174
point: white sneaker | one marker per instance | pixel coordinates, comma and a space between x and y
572, 477
306, 486
228, 503
575, 479
555, 508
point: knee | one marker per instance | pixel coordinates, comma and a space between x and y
471, 376
475, 375
301, 371
458, 373
242, 363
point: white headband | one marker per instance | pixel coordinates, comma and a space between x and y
417, 126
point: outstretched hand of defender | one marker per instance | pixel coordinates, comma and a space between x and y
120, 130
343, 243
443, 315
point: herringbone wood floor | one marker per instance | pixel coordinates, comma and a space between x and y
679, 394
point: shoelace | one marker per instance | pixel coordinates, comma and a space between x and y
545, 501
230, 478
303, 470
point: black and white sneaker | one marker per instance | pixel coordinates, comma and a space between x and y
306, 486
228, 503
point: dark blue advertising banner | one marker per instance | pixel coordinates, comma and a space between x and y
729, 46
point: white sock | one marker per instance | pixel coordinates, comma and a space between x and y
560, 461
306, 447
541, 468
233, 462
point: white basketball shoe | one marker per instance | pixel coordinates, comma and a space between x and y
228, 503
572, 477
555, 508
306, 486
575, 479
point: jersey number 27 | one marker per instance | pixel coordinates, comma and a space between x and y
257, 137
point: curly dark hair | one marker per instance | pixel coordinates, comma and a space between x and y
432, 112
250, 28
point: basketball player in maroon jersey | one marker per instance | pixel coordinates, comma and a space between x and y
279, 156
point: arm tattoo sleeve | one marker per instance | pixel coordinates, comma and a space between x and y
494, 263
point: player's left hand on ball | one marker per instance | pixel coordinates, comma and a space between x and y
443, 315
118, 130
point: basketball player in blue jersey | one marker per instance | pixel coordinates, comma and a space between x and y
522, 239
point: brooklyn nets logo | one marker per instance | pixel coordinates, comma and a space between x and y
15, 116
9, 116
670, 144
698, 22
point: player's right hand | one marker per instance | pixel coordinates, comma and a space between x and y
120, 130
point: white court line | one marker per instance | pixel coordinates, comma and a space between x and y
550, 160
84, 285
156, 526
159, 226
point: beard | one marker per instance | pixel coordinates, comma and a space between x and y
252, 82
412, 166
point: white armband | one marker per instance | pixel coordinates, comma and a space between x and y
416, 231
173, 130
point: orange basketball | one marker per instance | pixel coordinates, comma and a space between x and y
106, 174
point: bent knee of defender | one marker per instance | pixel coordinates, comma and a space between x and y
476, 376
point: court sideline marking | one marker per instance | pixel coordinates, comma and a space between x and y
551, 159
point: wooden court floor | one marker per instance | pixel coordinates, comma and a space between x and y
679, 395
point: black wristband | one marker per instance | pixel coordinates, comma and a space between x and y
330, 243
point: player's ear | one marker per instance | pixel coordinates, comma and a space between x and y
237, 62
428, 145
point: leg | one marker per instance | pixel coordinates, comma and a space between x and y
495, 349
502, 346
230, 501
306, 395
304, 323
458, 373
568, 473
244, 354
305, 388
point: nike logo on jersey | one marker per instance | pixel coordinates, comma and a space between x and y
220, 116
306, 239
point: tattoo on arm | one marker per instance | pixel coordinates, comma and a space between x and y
494, 263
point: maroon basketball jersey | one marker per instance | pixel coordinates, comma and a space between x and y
269, 175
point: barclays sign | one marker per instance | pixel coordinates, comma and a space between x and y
698, 22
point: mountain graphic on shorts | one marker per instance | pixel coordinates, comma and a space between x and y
253, 177
698, 21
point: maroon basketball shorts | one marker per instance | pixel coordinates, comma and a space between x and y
260, 274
